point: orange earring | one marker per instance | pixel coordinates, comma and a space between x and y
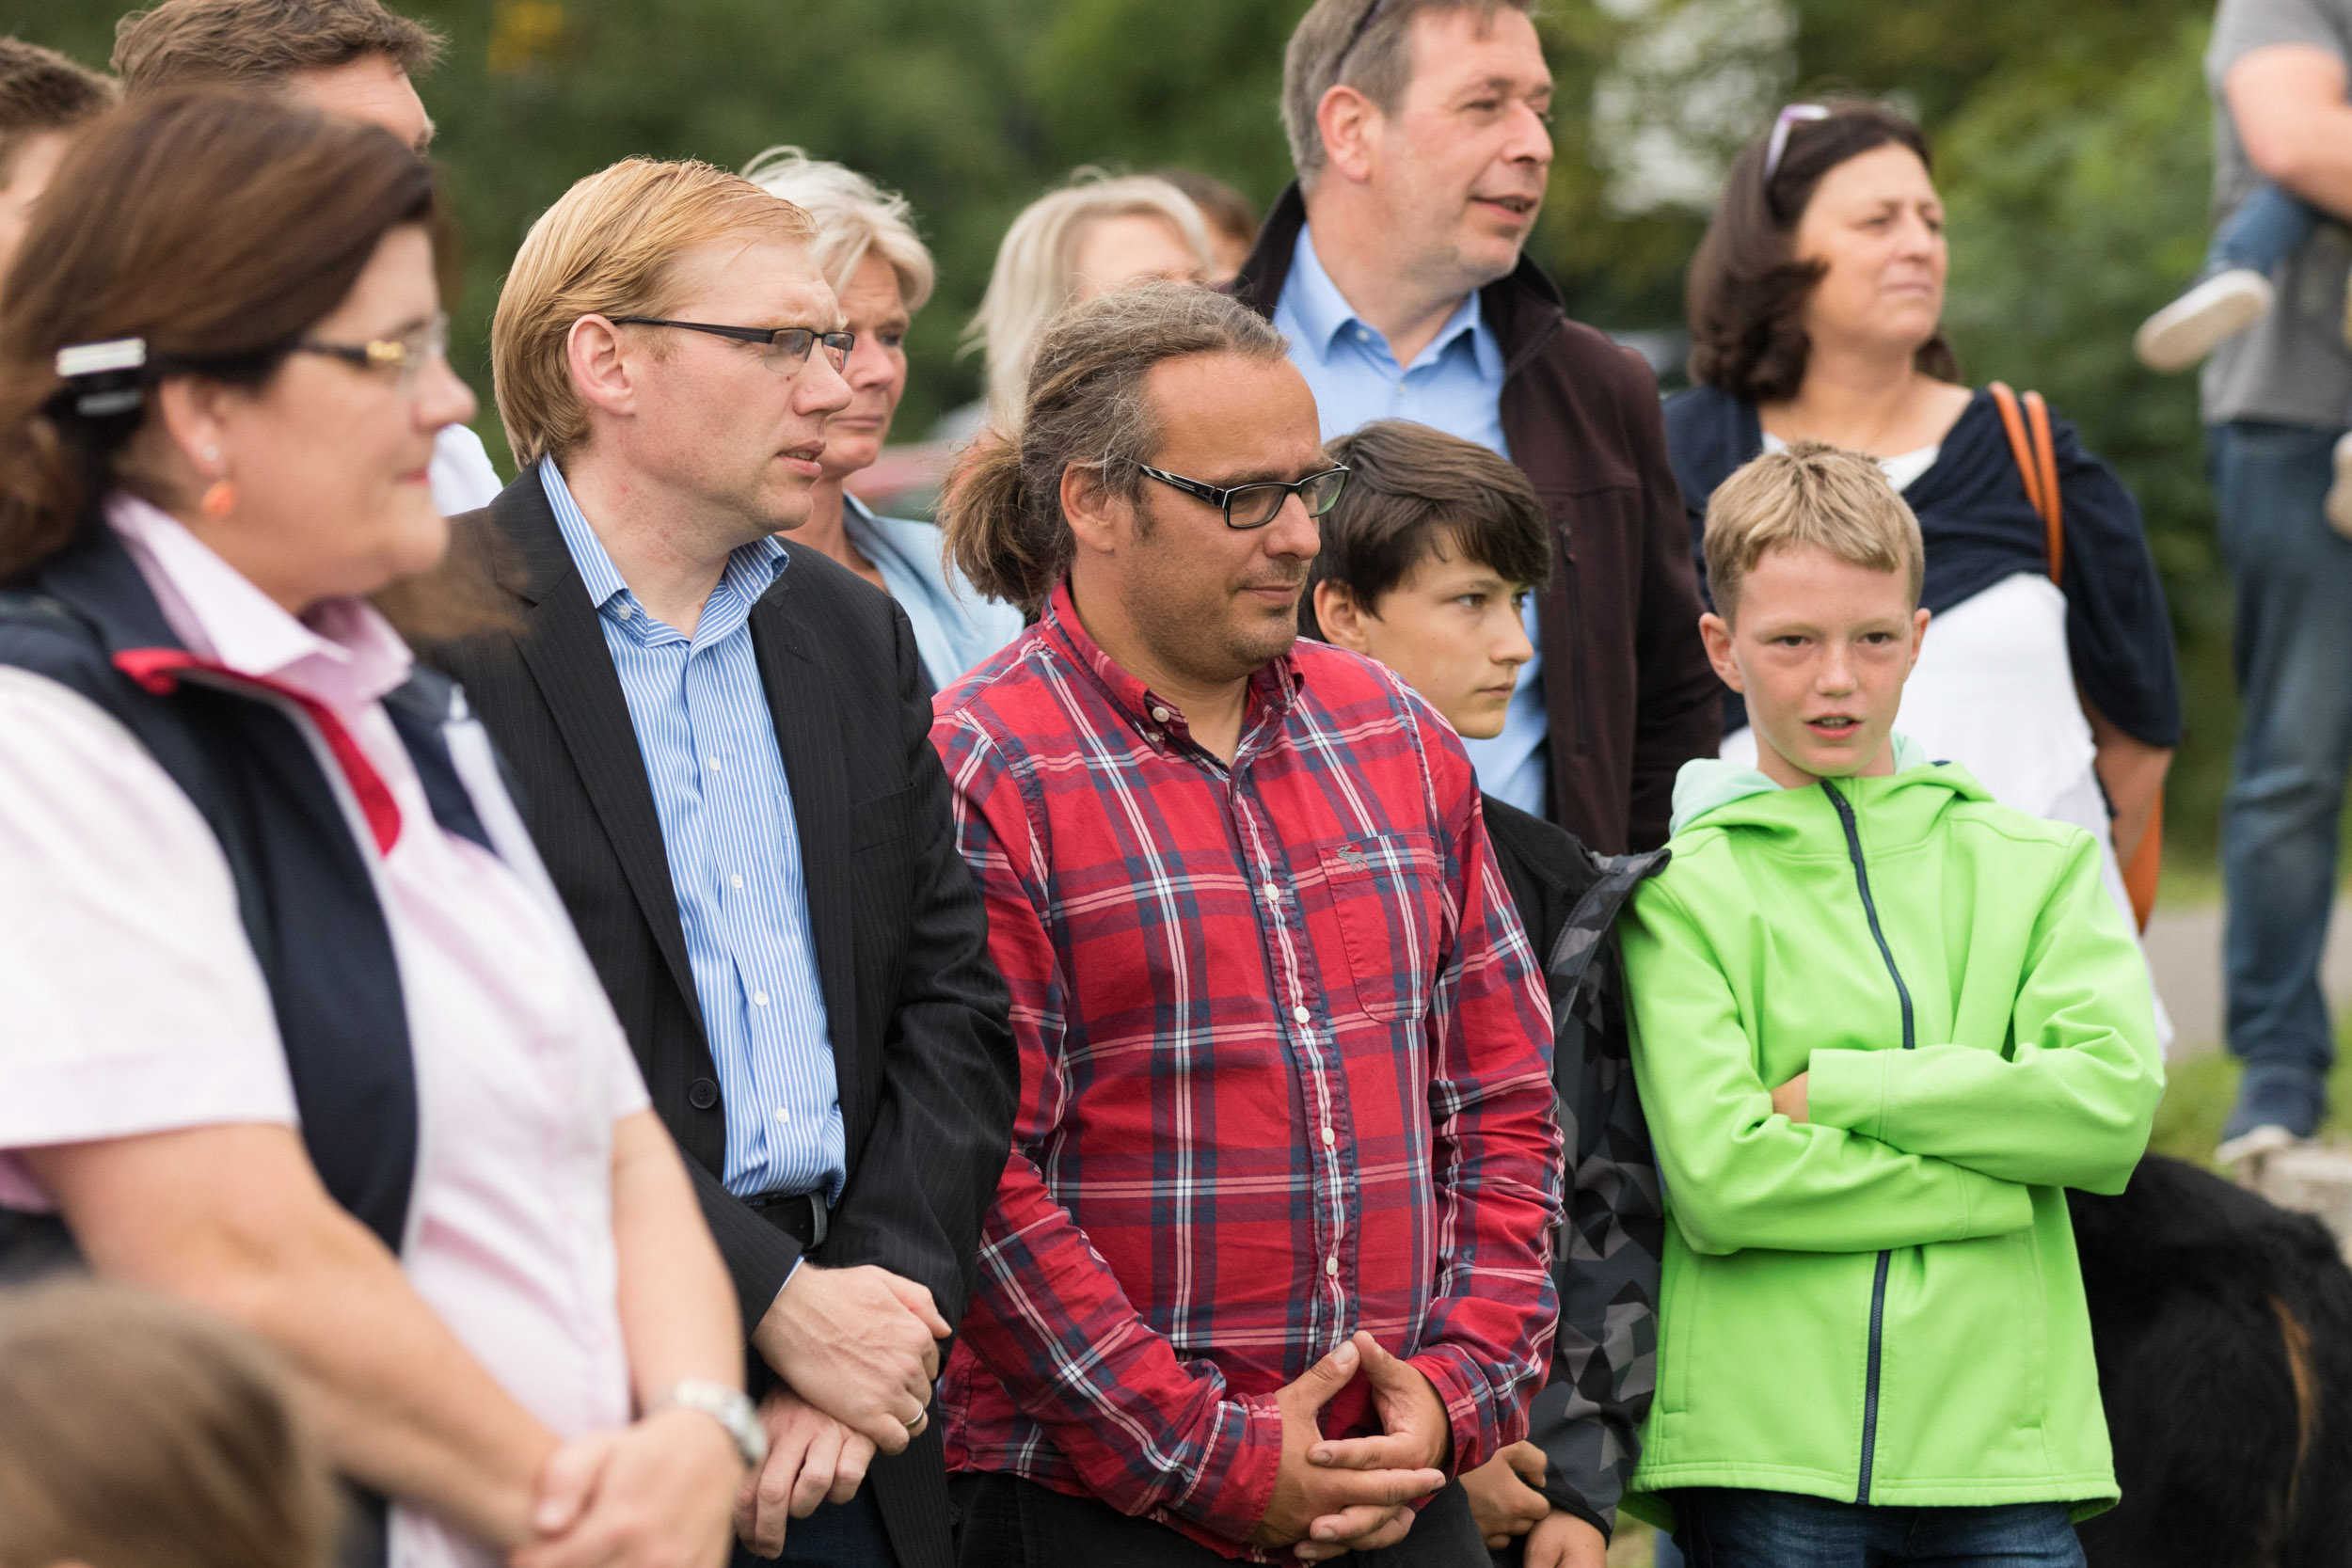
219, 500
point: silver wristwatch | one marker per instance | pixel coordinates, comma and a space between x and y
727, 1406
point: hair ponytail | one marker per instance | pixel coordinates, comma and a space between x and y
991, 535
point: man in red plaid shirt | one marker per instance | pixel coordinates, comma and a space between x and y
1270, 1258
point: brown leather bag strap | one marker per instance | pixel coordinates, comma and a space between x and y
2031, 443
2045, 459
2036, 452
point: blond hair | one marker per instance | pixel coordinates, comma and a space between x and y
1365, 44
854, 216
1036, 276
1811, 496
608, 247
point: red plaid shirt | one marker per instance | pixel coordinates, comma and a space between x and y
1285, 1067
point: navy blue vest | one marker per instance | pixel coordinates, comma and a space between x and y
304, 892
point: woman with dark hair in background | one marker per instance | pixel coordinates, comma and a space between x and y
1816, 303
296, 1029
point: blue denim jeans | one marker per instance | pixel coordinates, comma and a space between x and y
1723, 1527
2293, 655
2268, 227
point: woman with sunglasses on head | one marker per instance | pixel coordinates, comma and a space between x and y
297, 1030
1815, 306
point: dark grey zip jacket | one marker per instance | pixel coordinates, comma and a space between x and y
1604, 1361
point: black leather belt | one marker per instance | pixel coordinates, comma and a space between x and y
802, 1217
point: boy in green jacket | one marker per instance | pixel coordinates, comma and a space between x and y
1878, 1023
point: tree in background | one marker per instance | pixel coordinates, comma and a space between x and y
2073, 141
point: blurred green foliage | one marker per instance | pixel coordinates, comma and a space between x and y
2072, 142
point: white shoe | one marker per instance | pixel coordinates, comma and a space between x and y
2340, 494
2269, 1138
2195, 325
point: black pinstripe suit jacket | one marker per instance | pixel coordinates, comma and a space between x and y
922, 1049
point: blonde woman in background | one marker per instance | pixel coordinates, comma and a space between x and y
867, 247
1094, 235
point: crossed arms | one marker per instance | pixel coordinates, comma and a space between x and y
1899, 1148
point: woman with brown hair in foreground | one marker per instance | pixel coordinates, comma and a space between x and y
297, 1030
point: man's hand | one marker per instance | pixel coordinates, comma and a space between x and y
1414, 1436
1564, 1540
656, 1494
1309, 1496
1503, 1493
1789, 1100
812, 1459
860, 1344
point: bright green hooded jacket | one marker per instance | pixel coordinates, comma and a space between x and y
1882, 1304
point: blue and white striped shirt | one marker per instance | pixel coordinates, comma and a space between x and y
726, 807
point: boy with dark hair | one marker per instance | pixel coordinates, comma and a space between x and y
1427, 558
1880, 1024
43, 96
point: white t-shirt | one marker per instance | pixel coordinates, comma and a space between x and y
462, 477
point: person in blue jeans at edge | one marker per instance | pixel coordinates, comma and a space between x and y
2233, 291
2276, 398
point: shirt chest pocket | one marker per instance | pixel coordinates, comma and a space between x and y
1384, 913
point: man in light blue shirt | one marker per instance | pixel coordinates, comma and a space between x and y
1455, 384
725, 809
1396, 267
722, 740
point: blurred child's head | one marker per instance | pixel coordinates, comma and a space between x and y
1426, 560
136, 1433
1815, 562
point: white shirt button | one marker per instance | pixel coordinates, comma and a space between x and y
1272, 894
1329, 1138
1161, 714
1300, 1015
735, 882
1331, 1264
714, 763
783, 1116
759, 999
621, 611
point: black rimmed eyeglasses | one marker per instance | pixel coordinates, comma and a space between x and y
788, 347
1257, 504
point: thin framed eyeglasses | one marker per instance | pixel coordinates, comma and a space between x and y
1790, 117
404, 355
788, 347
1257, 504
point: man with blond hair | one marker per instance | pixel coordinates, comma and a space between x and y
349, 57
1396, 266
722, 739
